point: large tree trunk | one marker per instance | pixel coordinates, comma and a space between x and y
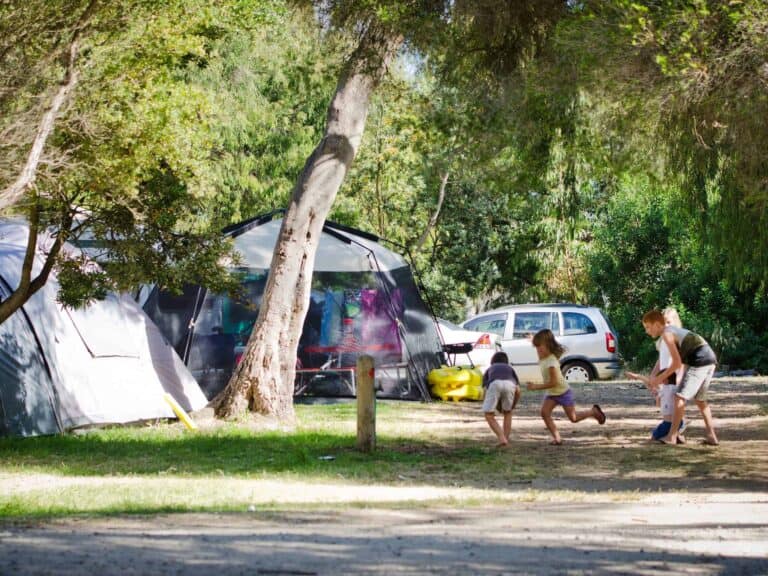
264, 380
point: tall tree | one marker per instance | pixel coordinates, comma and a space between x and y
264, 379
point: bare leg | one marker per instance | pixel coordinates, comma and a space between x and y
546, 414
575, 416
677, 417
706, 414
507, 424
490, 417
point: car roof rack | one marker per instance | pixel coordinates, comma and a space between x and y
544, 305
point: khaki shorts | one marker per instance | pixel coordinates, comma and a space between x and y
499, 391
695, 382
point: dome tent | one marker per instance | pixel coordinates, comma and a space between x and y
61, 368
364, 300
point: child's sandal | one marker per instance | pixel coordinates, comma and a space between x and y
600, 414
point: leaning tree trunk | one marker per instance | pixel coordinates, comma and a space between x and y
264, 380
28, 285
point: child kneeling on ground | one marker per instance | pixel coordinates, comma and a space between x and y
665, 400
502, 391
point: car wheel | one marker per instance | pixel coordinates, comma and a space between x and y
577, 372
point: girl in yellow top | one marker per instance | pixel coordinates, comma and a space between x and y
558, 391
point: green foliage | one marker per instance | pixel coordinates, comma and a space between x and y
695, 72
271, 88
187, 116
645, 256
140, 136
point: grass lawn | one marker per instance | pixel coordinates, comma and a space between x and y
426, 454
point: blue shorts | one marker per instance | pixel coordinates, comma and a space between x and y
564, 399
663, 429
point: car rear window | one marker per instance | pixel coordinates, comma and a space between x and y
528, 323
575, 323
494, 323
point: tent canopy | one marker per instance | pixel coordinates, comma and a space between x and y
337, 251
364, 300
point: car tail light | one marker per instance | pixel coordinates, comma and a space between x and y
610, 342
483, 342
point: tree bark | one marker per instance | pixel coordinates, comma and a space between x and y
28, 285
264, 380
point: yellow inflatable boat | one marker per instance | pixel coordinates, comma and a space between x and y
456, 383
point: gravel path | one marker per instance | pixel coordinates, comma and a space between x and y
705, 535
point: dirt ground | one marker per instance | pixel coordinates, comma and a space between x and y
600, 510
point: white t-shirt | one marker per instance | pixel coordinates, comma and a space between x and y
665, 358
667, 399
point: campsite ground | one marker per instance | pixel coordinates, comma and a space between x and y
608, 501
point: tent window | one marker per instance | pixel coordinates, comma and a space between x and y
168, 301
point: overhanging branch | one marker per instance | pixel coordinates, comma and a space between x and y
13, 193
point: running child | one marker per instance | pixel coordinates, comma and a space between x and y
559, 393
502, 391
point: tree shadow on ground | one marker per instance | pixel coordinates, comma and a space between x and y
297, 543
455, 450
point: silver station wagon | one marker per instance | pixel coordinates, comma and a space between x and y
591, 343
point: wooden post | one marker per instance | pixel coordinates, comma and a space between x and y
366, 405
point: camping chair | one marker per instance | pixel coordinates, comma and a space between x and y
450, 351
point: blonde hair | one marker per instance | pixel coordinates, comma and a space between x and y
547, 339
672, 317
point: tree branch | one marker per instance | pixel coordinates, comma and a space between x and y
15, 191
27, 285
436, 214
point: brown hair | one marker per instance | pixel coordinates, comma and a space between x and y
653, 317
547, 339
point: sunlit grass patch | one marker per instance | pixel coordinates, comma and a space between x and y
426, 455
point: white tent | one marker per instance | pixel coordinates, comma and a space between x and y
64, 368
364, 300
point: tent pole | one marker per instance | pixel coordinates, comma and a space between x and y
192, 321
